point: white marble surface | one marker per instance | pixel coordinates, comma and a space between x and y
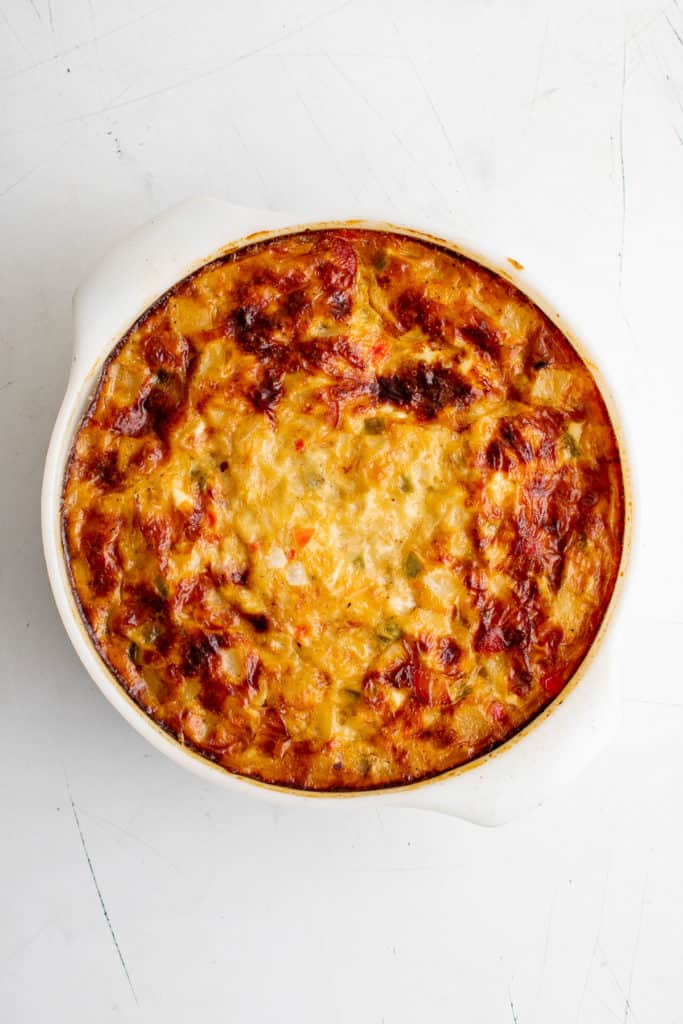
129, 890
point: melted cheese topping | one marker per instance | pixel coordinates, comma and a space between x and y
346, 510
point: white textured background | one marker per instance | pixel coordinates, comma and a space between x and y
560, 127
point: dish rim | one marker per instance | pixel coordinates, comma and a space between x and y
78, 396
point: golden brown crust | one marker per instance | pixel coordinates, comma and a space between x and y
346, 510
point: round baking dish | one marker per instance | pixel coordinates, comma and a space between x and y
550, 749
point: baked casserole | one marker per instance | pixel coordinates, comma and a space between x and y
346, 510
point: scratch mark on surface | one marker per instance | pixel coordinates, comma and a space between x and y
25, 943
293, 32
93, 31
388, 869
382, 118
6, 384
12, 31
192, 79
606, 1007
131, 835
80, 46
165, 90
378, 114
378, 181
326, 143
673, 28
323, 138
37, 167
18, 182
654, 703
51, 19
437, 116
512, 1007
96, 48
642, 29
615, 979
597, 938
541, 55
311, 54
409, 60
546, 944
114, 100
627, 1002
256, 164
35, 10
141, 99
663, 71
99, 892
622, 171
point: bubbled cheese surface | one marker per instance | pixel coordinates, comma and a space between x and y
346, 511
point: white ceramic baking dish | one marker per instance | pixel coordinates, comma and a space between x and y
518, 775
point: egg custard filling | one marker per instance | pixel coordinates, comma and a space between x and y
346, 510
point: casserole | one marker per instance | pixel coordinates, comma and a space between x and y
164, 252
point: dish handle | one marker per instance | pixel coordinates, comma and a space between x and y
519, 778
143, 265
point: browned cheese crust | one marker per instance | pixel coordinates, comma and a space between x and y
346, 511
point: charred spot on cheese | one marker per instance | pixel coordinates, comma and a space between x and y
480, 333
346, 510
337, 272
449, 653
426, 389
412, 308
266, 393
257, 620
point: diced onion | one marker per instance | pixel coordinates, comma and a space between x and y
296, 575
181, 498
231, 664
276, 558
401, 601
440, 582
